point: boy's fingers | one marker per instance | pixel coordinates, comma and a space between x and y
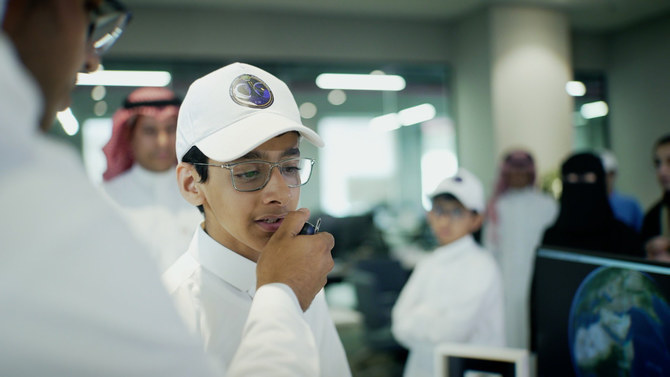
293, 223
327, 240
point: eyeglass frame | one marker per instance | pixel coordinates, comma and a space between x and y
453, 213
121, 22
230, 166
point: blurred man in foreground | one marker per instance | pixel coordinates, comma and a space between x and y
78, 298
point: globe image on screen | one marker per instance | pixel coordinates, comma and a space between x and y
619, 325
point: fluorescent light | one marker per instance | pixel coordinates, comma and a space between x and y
125, 78
360, 82
594, 109
337, 97
388, 122
100, 108
308, 110
416, 114
98, 93
406, 117
575, 88
68, 121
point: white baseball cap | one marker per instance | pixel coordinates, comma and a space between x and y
233, 110
465, 187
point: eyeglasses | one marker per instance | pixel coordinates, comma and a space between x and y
452, 213
107, 24
254, 175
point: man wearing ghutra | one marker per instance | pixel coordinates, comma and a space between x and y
140, 178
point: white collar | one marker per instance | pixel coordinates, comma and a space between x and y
457, 247
231, 267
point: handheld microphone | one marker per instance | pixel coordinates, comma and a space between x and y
309, 229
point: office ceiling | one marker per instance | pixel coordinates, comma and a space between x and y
585, 15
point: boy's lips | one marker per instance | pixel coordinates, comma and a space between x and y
270, 223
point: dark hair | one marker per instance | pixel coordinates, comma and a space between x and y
444, 196
195, 155
450, 197
665, 139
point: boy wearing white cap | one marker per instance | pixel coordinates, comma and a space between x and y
455, 294
238, 136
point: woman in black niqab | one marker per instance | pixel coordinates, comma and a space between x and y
586, 220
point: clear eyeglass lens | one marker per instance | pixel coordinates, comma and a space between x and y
250, 176
454, 213
108, 23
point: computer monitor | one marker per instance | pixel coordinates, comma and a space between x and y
595, 314
469, 360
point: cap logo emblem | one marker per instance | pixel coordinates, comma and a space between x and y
457, 179
250, 91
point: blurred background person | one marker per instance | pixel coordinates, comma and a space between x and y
586, 220
455, 293
656, 227
517, 215
140, 177
625, 207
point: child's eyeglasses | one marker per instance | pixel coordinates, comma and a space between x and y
453, 213
254, 175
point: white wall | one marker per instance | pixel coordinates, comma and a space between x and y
530, 65
186, 34
589, 52
472, 92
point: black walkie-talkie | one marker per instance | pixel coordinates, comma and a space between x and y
309, 229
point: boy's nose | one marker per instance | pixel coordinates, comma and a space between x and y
277, 189
163, 138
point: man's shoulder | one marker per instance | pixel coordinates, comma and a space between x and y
475, 253
480, 258
652, 216
656, 207
624, 199
125, 191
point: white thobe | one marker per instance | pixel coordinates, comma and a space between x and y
453, 295
156, 211
523, 215
213, 288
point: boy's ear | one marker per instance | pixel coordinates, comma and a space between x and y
430, 216
477, 222
187, 180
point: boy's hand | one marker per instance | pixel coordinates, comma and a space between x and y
301, 262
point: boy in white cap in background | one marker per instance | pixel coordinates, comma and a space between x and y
238, 137
455, 294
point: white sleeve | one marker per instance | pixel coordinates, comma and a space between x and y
276, 340
332, 357
401, 314
438, 312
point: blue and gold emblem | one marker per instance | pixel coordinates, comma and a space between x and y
250, 91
